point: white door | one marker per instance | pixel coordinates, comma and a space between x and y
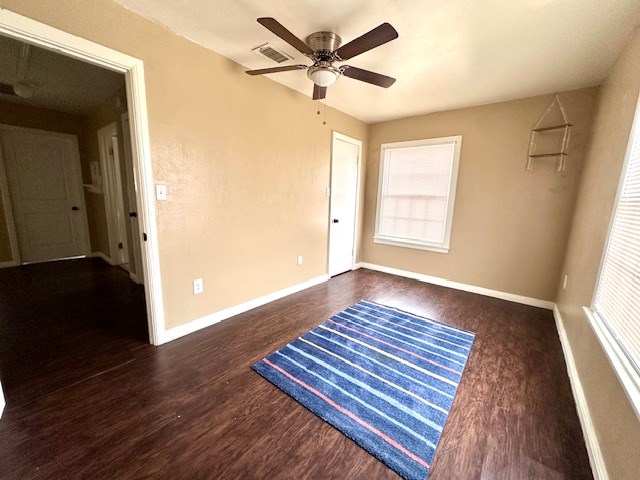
45, 187
113, 195
344, 193
121, 214
136, 251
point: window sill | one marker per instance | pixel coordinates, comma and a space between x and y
628, 375
411, 244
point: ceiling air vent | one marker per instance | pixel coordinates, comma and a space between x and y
271, 53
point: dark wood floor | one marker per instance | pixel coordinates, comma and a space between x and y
115, 407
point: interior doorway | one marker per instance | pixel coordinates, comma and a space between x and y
345, 167
35, 33
23, 88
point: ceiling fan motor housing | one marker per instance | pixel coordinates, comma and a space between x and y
321, 42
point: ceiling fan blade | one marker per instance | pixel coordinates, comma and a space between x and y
275, 27
7, 89
367, 76
276, 69
381, 34
319, 92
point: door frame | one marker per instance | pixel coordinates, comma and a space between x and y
50, 38
113, 202
354, 141
77, 173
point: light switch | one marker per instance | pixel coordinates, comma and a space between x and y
161, 192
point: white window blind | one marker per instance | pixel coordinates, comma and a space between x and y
617, 297
416, 192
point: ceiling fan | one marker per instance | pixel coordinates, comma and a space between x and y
20, 87
324, 48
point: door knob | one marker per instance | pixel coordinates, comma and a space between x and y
335, 220
74, 208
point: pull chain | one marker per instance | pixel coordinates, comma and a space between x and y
324, 112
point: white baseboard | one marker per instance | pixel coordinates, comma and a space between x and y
588, 429
10, 263
213, 318
102, 256
2, 401
443, 282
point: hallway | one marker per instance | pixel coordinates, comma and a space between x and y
64, 322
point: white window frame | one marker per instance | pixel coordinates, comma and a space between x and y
451, 195
624, 367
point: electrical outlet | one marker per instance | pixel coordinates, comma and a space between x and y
198, 286
299, 260
564, 282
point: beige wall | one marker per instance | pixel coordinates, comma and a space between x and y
42, 119
617, 426
510, 225
246, 161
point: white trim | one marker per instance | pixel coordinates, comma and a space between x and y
443, 247
213, 318
588, 429
31, 31
443, 282
397, 242
61, 259
102, 256
620, 362
354, 247
8, 264
2, 401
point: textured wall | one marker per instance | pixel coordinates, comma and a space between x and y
617, 426
510, 225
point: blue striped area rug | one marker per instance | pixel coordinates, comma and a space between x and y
383, 377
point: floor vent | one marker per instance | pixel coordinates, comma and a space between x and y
271, 53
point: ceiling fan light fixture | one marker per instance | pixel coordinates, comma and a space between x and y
323, 76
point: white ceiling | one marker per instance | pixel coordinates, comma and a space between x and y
58, 82
449, 54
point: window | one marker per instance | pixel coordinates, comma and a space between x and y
615, 314
416, 190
